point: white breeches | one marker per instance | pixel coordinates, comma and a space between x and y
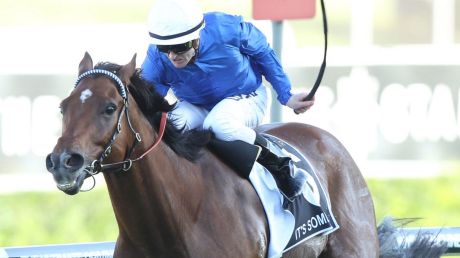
233, 118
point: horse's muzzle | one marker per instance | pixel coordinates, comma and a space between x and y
67, 170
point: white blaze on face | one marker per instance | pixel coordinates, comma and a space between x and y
85, 95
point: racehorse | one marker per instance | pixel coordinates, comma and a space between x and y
171, 196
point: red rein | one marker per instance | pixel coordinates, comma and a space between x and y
161, 132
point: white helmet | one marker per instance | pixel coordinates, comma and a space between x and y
173, 22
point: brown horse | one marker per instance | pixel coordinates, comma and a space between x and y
174, 198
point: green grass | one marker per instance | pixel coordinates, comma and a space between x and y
54, 218
434, 200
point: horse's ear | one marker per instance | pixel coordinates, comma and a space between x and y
128, 70
85, 64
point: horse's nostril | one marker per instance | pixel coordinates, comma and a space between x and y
73, 161
49, 162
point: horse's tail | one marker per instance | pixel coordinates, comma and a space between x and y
395, 244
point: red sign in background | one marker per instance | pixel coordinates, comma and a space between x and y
278, 10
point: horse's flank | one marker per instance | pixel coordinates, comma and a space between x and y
350, 198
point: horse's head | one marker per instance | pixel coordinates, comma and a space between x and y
92, 117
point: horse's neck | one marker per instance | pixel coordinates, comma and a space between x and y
154, 199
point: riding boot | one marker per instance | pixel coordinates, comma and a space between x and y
290, 179
238, 155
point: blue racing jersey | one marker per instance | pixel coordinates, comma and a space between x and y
232, 57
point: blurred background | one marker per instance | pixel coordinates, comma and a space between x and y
390, 94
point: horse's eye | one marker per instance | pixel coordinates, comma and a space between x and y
110, 109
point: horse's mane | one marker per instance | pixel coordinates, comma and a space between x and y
185, 143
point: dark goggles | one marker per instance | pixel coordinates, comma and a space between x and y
178, 49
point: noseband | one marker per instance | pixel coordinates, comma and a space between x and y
97, 166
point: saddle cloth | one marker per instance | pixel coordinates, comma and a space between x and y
292, 222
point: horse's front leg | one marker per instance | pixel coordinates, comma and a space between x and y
125, 249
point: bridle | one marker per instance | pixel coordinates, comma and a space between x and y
97, 166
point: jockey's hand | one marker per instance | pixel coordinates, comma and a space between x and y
298, 104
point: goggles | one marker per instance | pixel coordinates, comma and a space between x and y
178, 49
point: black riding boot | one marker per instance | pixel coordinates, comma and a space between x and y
288, 177
238, 155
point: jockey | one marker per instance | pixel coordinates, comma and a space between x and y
214, 63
